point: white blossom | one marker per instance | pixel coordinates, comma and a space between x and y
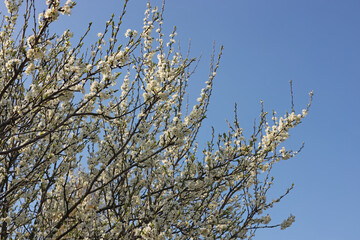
30, 68
51, 14
288, 222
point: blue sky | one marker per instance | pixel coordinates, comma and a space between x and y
315, 43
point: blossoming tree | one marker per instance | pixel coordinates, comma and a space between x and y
98, 143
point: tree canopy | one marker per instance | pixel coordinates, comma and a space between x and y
100, 142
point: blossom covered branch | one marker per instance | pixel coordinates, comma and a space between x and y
99, 143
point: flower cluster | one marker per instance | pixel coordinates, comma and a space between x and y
288, 222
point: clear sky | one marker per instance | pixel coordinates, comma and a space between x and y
315, 43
